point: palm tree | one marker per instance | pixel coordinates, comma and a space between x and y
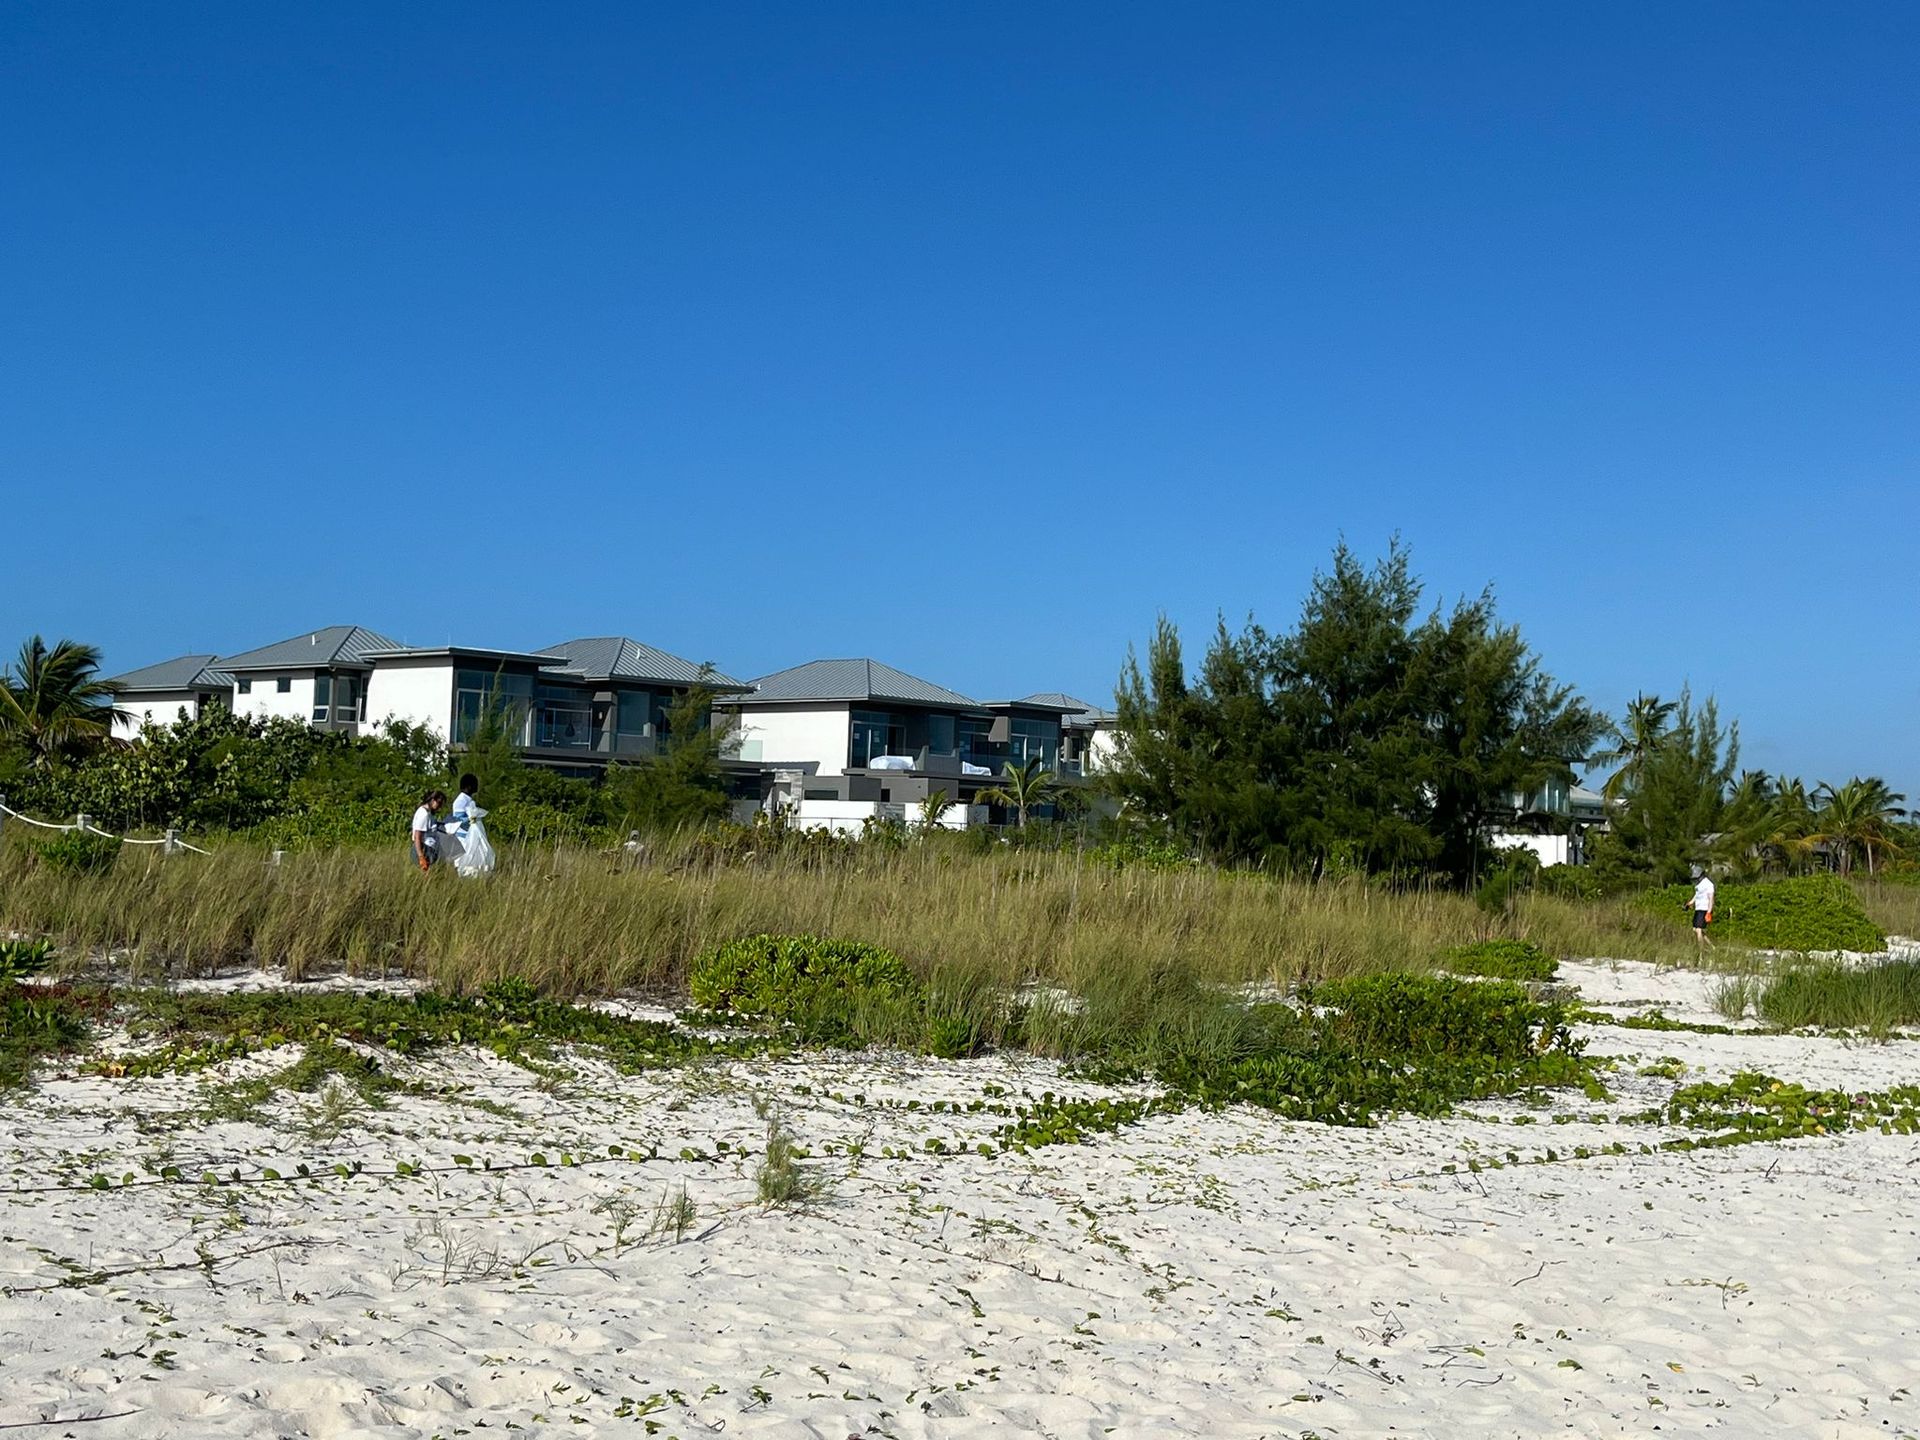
52, 703
1637, 736
933, 808
1022, 787
1857, 816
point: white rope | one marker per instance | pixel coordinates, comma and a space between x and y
31, 821
177, 843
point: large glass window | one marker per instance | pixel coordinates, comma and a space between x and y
562, 718
475, 690
976, 741
1032, 739
322, 698
876, 732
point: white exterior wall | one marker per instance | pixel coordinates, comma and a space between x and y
162, 709
804, 736
1548, 849
851, 816
267, 701
1102, 746
419, 694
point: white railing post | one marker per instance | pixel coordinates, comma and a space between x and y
171, 845
83, 822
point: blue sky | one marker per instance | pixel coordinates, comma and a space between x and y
971, 337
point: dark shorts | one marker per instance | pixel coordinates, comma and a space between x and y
1699, 919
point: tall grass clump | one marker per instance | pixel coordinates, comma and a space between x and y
1892, 902
1876, 998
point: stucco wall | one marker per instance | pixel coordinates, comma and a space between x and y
806, 735
266, 699
418, 693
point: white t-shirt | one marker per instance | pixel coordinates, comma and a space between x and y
422, 820
1703, 894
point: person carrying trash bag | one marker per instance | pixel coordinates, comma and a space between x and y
476, 851
429, 843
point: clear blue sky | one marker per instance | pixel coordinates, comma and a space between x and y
971, 336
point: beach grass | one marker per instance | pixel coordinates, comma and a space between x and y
1875, 998
571, 921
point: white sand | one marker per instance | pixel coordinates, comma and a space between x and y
1219, 1275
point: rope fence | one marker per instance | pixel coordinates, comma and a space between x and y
170, 843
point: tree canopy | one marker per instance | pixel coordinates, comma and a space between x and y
1369, 736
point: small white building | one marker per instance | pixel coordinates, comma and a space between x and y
160, 694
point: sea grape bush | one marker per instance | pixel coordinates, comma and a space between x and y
1501, 959
1812, 912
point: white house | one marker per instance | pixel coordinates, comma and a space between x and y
844, 741
158, 694
319, 678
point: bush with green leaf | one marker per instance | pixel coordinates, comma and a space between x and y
1813, 912
78, 852
832, 991
1500, 959
1425, 1015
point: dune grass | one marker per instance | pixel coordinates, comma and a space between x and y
1893, 905
574, 921
1874, 998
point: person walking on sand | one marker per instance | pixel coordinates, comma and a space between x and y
426, 830
1702, 904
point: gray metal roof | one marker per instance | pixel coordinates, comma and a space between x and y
614, 657
183, 672
851, 680
1080, 712
335, 645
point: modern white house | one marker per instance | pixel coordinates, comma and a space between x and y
319, 678
845, 741
834, 743
580, 703
159, 694
1553, 823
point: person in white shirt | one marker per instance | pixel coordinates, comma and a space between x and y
426, 830
1702, 904
476, 852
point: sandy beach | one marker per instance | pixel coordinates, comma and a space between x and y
476, 1258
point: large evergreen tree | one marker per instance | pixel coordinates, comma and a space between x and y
1364, 737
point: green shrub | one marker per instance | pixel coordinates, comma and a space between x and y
832, 991
1142, 852
1418, 1016
78, 852
20, 958
1501, 959
1814, 912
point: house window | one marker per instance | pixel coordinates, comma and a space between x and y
244, 685
322, 698
875, 733
284, 684
1034, 740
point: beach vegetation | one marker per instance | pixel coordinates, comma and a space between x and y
1366, 738
1876, 998
1806, 913
1500, 960
54, 707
